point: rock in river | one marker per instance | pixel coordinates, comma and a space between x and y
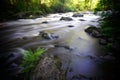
93, 31
44, 22
82, 20
49, 68
70, 26
46, 35
66, 18
77, 15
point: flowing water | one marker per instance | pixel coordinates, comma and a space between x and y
83, 55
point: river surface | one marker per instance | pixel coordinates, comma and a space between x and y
84, 55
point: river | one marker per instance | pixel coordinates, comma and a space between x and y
83, 54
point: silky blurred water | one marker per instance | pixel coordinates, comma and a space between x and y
82, 59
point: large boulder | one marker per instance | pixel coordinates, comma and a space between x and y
77, 15
66, 18
48, 68
93, 31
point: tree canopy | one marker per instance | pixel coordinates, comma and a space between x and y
11, 7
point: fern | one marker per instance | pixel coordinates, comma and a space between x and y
30, 59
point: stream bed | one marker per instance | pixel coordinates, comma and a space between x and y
80, 55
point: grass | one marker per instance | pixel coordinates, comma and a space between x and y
30, 59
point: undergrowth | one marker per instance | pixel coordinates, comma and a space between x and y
30, 59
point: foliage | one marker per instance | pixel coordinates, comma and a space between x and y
57, 7
110, 26
108, 5
12, 7
30, 59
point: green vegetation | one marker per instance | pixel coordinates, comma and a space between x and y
108, 5
111, 29
110, 25
33, 8
30, 59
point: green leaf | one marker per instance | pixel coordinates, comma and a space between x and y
30, 59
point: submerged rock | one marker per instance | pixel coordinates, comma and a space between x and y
93, 21
44, 22
93, 31
82, 20
77, 15
25, 38
70, 26
64, 46
66, 18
